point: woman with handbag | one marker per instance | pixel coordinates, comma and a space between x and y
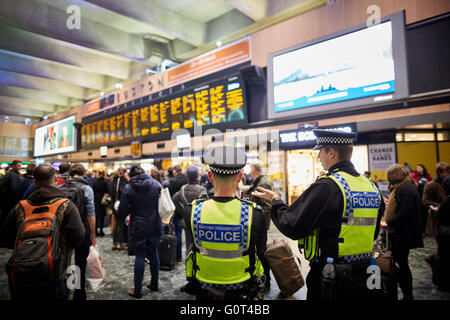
139, 198
402, 219
101, 190
118, 183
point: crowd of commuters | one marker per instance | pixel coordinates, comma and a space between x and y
417, 205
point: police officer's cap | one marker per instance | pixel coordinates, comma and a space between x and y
225, 160
333, 138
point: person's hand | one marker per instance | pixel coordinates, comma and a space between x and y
93, 241
433, 208
383, 224
264, 194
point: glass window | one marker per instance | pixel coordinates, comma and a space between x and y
443, 136
419, 136
399, 137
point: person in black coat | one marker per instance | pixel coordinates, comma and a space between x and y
101, 187
403, 220
27, 180
10, 189
179, 179
118, 183
140, 199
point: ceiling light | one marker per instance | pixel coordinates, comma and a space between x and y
102, 93
219, 43
118, 86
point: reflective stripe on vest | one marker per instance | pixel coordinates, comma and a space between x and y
359, 217
223, 238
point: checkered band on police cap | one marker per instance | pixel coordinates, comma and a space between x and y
224, 172
334, 140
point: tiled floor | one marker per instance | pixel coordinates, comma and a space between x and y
119, 269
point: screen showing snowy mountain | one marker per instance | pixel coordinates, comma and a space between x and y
356, 65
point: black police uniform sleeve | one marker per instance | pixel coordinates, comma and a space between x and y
320, 205
72, 226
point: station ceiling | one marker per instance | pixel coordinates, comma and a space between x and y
57, 54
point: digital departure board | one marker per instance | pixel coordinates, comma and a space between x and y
212, 105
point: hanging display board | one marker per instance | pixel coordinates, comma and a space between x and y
219, 103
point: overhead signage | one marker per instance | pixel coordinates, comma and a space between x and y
303, 137
213, 61
215, 104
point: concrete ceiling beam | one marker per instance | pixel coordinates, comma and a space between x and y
21, 112
37, 67
40, 96
30, 82
149, 12
38, 46
254, 9
31, 105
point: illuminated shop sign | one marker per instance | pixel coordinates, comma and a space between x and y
305, 137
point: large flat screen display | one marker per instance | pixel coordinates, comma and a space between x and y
55, 138
354, 68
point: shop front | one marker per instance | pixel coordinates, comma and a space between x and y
301, 163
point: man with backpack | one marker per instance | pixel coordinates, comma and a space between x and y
181, 199
78, 190
42, 230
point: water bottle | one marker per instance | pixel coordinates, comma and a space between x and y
328, 279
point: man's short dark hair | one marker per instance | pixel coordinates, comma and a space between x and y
30, 169
77, 169
64, 167
177, 168
44, 174
15, 162
135, 170
344, 151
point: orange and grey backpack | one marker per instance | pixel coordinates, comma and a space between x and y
36, 260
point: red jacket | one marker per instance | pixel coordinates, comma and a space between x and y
416, 177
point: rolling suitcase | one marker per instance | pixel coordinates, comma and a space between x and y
167, 251
285, 268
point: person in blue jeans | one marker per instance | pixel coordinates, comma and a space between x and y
140, 199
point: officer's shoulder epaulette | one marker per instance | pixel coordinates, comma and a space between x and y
253, 204
196, 201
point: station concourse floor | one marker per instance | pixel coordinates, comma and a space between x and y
119, 269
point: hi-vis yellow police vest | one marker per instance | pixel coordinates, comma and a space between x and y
359, 217
224, 258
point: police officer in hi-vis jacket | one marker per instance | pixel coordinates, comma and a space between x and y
337, 217
229, 235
